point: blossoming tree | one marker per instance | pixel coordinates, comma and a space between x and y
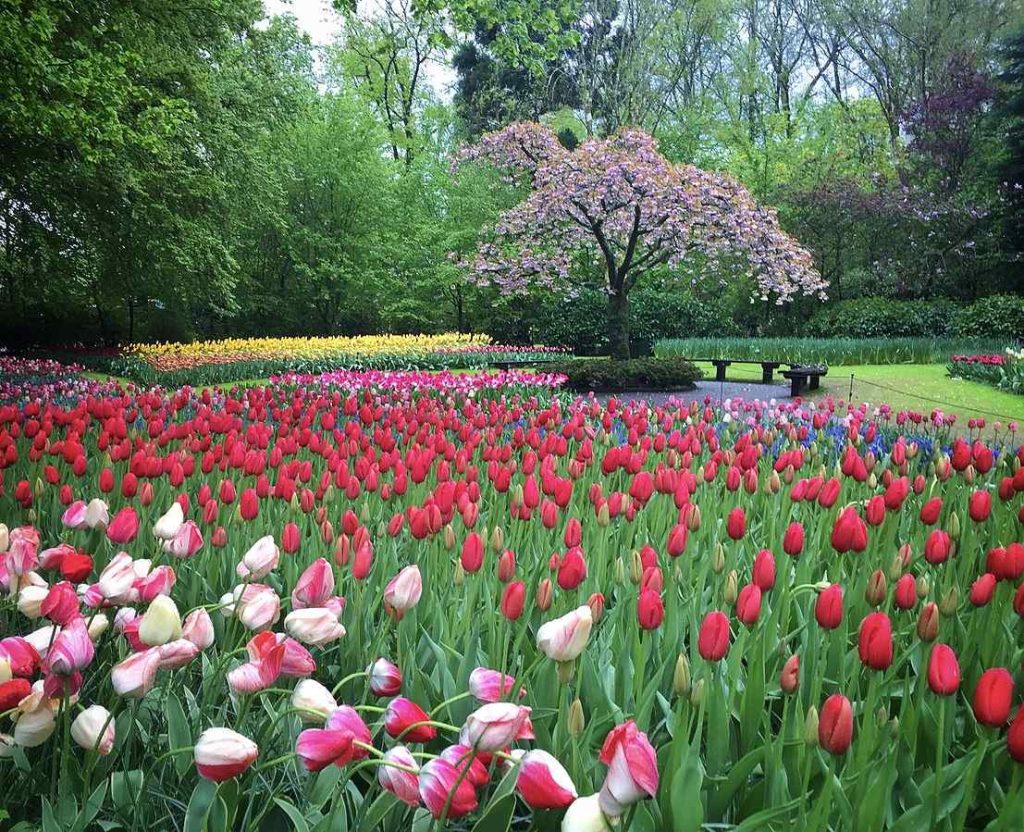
620, 202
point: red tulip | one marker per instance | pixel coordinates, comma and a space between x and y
930, 511
472, 557
713, 638
983, 589
543, 783
506, 566
1015, 736
402, 721
677, 539
905, 594
290, 538
828, 609
736, 524
793, 541
764, 570
849, 534
993, 697
937, 547
12, 692
123, 527
943, 670
835, 724
573, 569
513, 599
875, 641
437, 783
980, 506
748, 604
650, 609
249, 504
789, 678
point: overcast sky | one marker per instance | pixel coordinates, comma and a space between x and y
323, 23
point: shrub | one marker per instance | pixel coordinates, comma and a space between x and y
884, 318
997, 316
636, 374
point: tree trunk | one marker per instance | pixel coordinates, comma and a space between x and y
618, 326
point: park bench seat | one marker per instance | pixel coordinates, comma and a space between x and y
804, 375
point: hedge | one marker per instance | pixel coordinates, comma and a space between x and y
640, 374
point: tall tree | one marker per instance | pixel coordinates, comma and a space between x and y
620, 204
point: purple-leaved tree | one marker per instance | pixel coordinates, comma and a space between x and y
621, 202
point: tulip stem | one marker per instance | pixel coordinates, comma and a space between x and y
349, 678
276, 761
173, 752
455, 698
940, 747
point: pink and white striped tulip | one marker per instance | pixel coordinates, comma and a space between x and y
261, 559
221, 754
543, 782
563, 639
402, 783
632, 769
494, 726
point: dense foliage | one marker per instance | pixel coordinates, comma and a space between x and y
636, 374
175, 171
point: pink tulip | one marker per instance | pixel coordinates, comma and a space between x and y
257, 606
462, 756
316, 626
314, 587
22, 556
402, 784
336, 743
543, 782
134, 676
437, 789
221, 754
117, 580
72, 649
632, 769
123, 527
74, 516
261, 559
158, 582
495, 725
563, 639
60, 604
187, 542
177, 653
20, 656
385, 678
490, 685
404, 590
198, 628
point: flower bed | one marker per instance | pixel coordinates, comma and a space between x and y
1005, 371
213, 362
329, 603
25, 380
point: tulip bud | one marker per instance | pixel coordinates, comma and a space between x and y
881, 716
636, 567
697, 693
928, 622
497, 539
93, 728
620, 571
718, 559
895, 568
950, 601
731, 590
923, 587
577, 722
906, 554
811, 726
544, 595
874, 594
459, 577
603, 516
681, 676
954, 526
449, 537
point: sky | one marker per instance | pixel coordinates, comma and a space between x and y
319, 19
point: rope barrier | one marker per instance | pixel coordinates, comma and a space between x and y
949, 406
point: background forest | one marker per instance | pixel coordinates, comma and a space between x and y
195, 169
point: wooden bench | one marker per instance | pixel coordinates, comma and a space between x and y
801, 375
513, 363
768, 368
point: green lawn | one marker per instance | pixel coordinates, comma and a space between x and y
905, 387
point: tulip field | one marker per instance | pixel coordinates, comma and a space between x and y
381, 602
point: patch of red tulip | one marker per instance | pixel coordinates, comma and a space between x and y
468, 602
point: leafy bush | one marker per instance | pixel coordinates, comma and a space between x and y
635, 374
831, 351
884, 318
997, 316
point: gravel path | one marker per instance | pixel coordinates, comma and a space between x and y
716, 390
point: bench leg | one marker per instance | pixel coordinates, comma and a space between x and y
795, 385
719, 372
815, 382
767, 374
